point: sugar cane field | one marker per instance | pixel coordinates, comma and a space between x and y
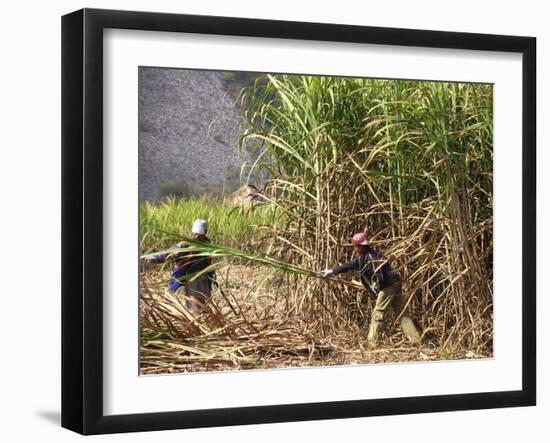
409, 164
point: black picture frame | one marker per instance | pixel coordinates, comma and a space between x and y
82, 218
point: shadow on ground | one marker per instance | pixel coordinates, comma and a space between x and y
54, 417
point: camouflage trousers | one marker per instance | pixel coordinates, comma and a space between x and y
391, 297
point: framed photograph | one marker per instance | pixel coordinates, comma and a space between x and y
269, 221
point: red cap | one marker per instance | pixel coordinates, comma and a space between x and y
360, 239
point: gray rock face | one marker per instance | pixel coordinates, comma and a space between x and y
189, 127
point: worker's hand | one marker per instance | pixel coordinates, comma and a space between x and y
326, 273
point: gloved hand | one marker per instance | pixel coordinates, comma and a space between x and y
326, 273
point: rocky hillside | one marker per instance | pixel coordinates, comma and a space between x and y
188, 131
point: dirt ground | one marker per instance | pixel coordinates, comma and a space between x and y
247, 325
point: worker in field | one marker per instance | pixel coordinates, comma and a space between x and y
378, 277
188, 264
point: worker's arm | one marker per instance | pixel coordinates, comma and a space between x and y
349, 266
147, 263
161, 258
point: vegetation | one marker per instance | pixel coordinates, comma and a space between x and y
167, 222
408, 162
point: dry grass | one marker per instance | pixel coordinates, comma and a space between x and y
248, 325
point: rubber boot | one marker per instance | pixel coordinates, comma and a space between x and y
409, 330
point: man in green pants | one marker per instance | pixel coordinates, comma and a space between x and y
378, 277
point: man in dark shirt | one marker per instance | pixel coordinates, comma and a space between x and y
382, 282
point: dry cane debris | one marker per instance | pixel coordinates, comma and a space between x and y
239, 329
